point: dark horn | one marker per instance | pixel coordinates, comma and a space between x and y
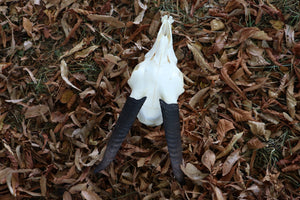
170, 113
124, 123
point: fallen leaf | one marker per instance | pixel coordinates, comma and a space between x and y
66, 96
230, 161
223, 127
36, 111
277, 24
228, 148
107, 19
27, 24
199, 58
193, 173
90, 195
197, 97
255, 143
290, 98
216, 25
258, 128
208, 159
240, 115
64, 74
84, 53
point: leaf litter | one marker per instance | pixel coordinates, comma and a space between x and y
64, 69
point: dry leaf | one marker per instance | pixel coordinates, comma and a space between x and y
43, 184
107, 19
230, 161
290, 99
255, 143
277, 24
78, 47
84, 53
67, 196
198, 96
66, 96
199, 58
90, 195
218, 193
64, 74
140, 17
27, 24
216, 25
289, 36
228, 148
240, 115
193, 173
223, 127
208, 159
258, 128
87, 92
36, 111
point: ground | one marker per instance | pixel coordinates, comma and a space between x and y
63, 82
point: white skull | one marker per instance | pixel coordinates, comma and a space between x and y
157, 77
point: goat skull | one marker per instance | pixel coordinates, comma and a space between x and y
156, 84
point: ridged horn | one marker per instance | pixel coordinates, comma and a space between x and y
124, 123
171, 123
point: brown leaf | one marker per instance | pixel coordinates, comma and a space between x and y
229, 162
107, 19
66, 96
258, 128
255, 143
27, 24
199, 58
67, 196
223, 127
218, 193
43, 185
84, 53
290, 98
228, 148
240, 115
64, 74
208, 159
216, 25
90, 195
193, 173
197, 97
229, 81
36, 111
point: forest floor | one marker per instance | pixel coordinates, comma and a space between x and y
63, 82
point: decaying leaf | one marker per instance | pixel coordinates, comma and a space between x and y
258, 128
199, 58
64, 74
107, 19
208, 159
240, 115
90, 195
255, 143
197, 97
216, 25
223, 127
290, 99
27, 24
230, 161
193, 173
230, 145
36, 111
84, 53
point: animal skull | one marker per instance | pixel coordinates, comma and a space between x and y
156, 84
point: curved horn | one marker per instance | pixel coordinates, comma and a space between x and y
124, 123
170, 113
